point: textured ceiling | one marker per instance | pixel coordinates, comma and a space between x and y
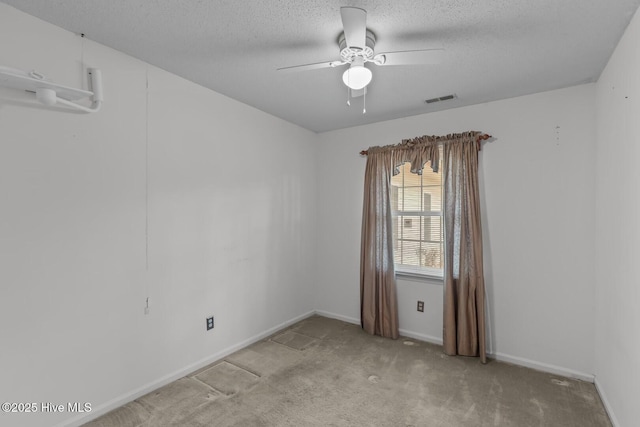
494, 49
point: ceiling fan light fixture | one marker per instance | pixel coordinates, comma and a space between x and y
357, 75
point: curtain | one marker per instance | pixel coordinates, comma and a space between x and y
378, 300
464, 305
464, 316
378, 303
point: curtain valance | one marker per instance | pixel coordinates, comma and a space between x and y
422, 149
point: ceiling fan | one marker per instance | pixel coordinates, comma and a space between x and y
357, 45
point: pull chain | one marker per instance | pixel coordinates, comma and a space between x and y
348, 96
364, 101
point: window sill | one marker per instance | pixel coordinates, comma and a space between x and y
419, 277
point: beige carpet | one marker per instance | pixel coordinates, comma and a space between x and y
324, 372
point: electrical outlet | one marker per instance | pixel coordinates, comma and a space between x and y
421, 306
209, 323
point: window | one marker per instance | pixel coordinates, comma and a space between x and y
416, 202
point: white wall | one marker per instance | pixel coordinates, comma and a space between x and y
617, 348
208, 206
227, 214
538, 218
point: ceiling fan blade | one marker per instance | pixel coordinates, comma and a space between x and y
307, 67
411, 57
354, 23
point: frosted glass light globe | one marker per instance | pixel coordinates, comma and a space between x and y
357, 76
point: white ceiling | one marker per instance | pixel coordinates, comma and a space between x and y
494, 49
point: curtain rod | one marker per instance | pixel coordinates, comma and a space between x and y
482, 137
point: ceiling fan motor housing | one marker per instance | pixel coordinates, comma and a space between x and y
348, 54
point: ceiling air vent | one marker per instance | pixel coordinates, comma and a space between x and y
442, 98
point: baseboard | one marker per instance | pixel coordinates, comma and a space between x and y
545, 367
129, 397
422, 337
338, 317
539, 366
607, 405
520, 361
403, 332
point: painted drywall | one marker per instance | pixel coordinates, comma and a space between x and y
617, 347
207, 206
537, 179
179, 194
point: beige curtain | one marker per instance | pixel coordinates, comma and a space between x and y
464, 316
464, 312
378, 304
378, 301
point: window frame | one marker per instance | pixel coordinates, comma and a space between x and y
415, 272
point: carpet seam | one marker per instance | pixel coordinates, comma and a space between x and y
207, 385
243, 368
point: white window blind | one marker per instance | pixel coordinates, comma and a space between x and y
416, 202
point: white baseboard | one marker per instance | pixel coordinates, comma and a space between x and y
520, 361
133, 395
422, 337
545, 367
338, 317
539, 366
607, 405
403, 332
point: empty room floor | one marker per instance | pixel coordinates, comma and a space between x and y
325, 372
